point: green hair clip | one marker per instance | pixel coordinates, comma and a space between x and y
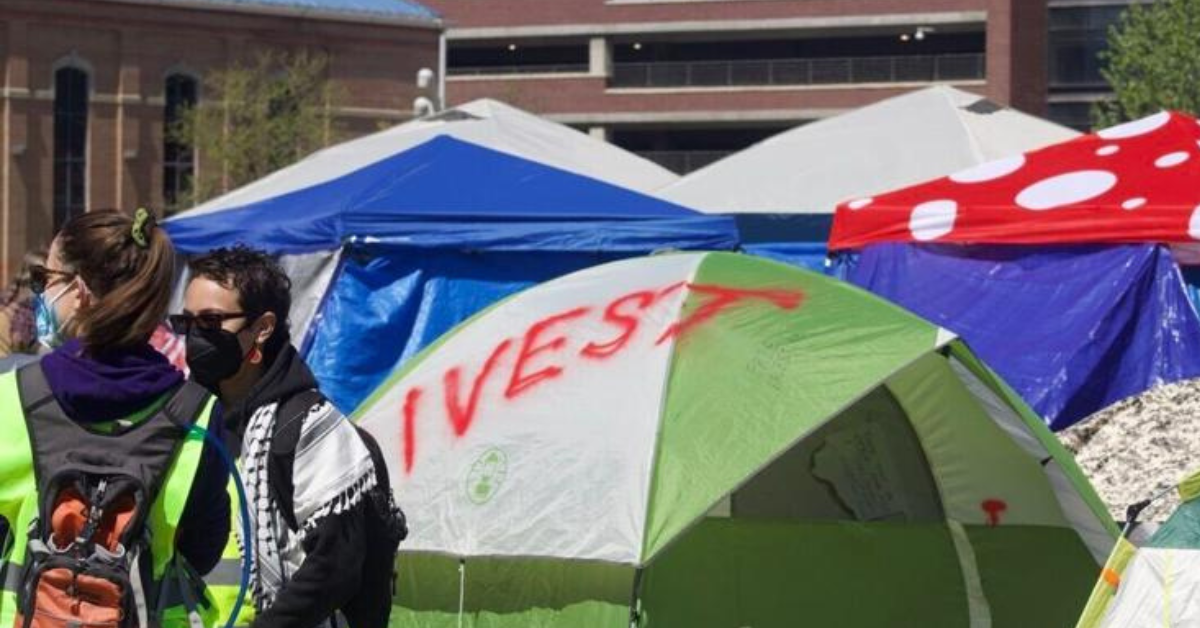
143, 221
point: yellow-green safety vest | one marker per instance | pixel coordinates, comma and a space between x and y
225, 581
19, 504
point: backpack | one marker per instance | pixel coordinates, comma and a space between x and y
87, 557
388, 525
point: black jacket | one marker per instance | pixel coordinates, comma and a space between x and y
340, 570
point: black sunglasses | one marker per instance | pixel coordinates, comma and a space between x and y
181, 324
40, 277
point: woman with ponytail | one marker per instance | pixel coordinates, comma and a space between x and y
103, 290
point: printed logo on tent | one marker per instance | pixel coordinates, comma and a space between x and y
538, 357
486, 475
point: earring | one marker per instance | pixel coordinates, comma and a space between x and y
255, 355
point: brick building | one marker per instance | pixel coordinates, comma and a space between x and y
686, 81
89, 84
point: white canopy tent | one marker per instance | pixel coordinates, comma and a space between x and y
901, 141
488, 123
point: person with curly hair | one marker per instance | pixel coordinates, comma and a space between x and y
324, 528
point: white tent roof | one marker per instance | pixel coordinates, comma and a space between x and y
485, 122
891, 144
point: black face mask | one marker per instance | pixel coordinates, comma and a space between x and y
213, 355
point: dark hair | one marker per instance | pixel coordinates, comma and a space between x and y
20, 282
130, 280
261, 286
33, 257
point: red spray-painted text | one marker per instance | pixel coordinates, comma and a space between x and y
535, 365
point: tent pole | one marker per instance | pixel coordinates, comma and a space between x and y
634, 614
1135, 510
462, 589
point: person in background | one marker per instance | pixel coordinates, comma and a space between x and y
104, 287
323, 524
17, 331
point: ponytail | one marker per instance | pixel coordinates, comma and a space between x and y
128, 265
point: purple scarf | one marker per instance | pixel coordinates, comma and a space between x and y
96, 389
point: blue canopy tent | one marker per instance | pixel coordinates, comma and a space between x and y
427, 237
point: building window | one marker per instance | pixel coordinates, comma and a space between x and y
1077, 115
517, 58
1077, 37
70, 143
826, 60
179, 159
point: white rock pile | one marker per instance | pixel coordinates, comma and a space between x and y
1138, 447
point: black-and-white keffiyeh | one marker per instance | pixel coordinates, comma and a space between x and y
332, 472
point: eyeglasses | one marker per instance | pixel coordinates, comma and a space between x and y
181, 324
40, 277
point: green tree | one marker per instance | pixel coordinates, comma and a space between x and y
257, 118
1152, 61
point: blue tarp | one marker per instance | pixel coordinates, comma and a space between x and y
1071, 329
1191, 281
807, 255
387, 306
796, 239
450, 192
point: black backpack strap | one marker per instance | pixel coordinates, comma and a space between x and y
185, 405
383, 501
37, 401
291, 413
377, 460
35, 391
289, 419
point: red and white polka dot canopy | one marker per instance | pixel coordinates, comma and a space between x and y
1136, 182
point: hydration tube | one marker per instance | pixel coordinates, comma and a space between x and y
244, 509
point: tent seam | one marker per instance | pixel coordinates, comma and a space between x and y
652, 476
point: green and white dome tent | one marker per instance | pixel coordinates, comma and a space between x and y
712, 439
1156, 584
